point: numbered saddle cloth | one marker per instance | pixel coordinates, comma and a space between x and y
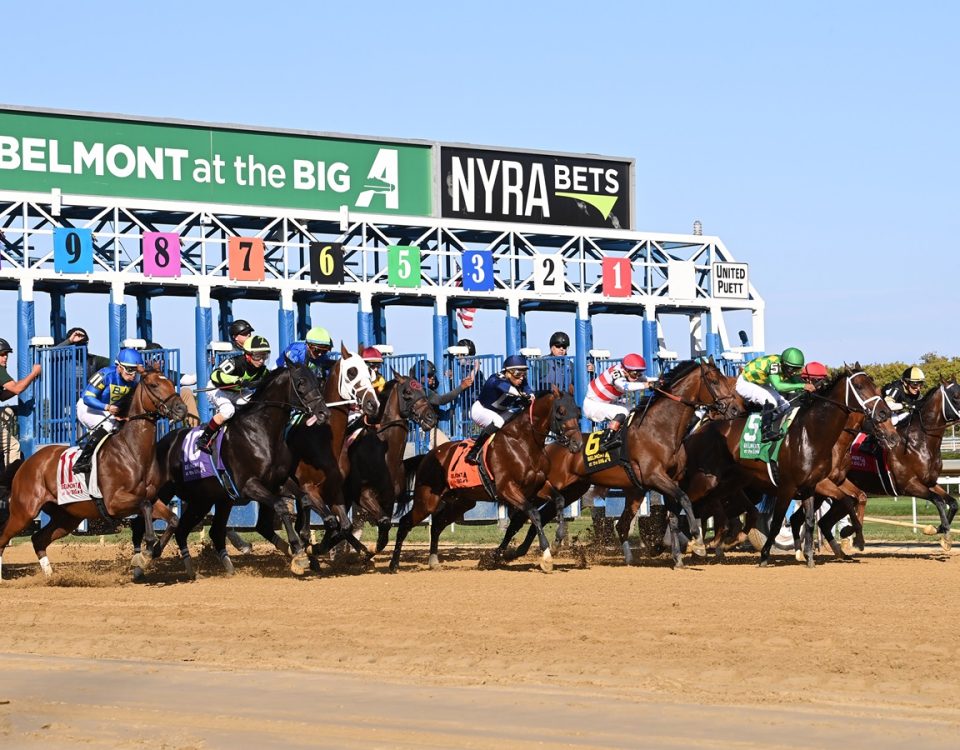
751, 446
75, 488
460, 474
595, 459
197, 464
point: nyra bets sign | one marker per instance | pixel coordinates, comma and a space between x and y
537, 188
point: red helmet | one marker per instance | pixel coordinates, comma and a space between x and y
371, 354
634, 362
813, 371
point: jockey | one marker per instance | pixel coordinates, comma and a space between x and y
240, 330
763, 381
314, 352
504, 392
234, 380
374, 359
903, 395
607, 388
107, 394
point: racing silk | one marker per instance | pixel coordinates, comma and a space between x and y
236, 374
898, 398
766, 371
499, 395
297, 352
612, 383
107, 388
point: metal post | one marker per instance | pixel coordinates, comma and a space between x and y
512, 327
225, 319
583, 338
25, 332
118, 319
203, 337
58, 316
379, 318
144, 318
440, 341
650, 344
303, 319
365, 320
285, 319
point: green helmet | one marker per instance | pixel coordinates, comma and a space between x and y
319, 335
792, 357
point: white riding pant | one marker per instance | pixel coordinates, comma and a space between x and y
603, 411
759, 394
484, 416
92, 418
226, 402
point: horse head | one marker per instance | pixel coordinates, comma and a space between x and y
861, 394
718, 392
412, 402
352, 376
157, 394
950, 400
306, 395
565, 419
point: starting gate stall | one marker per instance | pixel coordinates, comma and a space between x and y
548, 371
415, 366
56, 392
136, 208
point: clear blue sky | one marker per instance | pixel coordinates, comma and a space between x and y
818, 140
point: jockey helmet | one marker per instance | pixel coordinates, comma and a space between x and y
634, 362
813, 371
240, 327
560, 339
318, 335
130, 358
515, 362
471, 347
913, 375
792, 357
371, 354
5, 347
256, 345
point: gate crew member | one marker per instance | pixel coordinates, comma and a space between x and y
234, 379
605, 390
765, 379
107, 394
504, 392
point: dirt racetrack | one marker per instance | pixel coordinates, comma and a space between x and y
861, 654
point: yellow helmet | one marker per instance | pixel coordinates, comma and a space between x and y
913, 375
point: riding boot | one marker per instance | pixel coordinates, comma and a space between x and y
610, 439
83, 464
473, 456
767, 433
207, 436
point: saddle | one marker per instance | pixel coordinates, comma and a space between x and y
868, 456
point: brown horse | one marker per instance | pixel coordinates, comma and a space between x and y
915, 463
377, 476
127, 474
654, 435
714, 465
517, 466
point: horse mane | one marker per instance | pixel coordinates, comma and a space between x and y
680, 370
268, 380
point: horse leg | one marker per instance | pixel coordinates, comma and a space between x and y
676, 549
516, 523
631, 507
809, 526
838, 509
60, 524
264, 527
218, 535
779, 511
441, 519
426, 499
546, 557
944, 528
194, 512
796, 526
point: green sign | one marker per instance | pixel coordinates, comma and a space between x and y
126, 159
403, 265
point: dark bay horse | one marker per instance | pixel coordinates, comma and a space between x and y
517, 466
653, 436
714, 465
259, 464
127, 473
915, 462
377, 476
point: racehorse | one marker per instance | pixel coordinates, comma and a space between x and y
915, 463
652, 456
377, 476
127, 474
259, 466
714, 465
517, 470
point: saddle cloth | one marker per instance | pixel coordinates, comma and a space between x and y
751, 446
198, 465
74, 488
460, 474
595, 459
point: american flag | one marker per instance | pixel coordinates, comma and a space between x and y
465, 316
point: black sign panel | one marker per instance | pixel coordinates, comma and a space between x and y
326, 263
535, 188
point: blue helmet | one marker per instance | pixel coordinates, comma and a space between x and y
515, 362
130, 358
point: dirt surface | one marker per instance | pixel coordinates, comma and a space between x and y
858, 654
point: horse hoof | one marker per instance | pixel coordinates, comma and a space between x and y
764, 563
800, 557
811, 563
138, 575
283, 547
434, 562
138, 561
946, 543
698, 548
299, 564
393, 569
627, 554
227, 565
678, 564
756, 539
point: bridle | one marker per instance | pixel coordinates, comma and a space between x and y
719, 404
356, 386
407, 398
162, 407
